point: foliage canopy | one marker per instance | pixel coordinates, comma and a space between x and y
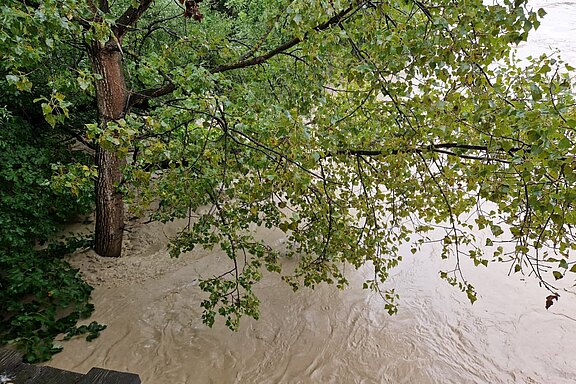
352, 126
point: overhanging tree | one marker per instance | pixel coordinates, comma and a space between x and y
352, 126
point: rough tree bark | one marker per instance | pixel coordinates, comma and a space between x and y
112, 100
111, 96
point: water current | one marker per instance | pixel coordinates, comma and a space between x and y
151, 306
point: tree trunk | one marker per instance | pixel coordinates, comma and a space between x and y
109, 204
111, 98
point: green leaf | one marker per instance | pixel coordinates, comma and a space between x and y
565, 143
12, 79
541, 12
536, 92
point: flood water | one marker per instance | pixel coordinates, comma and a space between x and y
151, 306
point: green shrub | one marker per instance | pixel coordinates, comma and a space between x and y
41, 295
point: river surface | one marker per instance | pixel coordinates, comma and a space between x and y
151, 306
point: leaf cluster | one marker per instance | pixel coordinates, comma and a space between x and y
360, 129
41, 295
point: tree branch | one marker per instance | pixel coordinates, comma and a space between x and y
132, 15
283, 47
138, 97
104, 6
438, 148
129, 18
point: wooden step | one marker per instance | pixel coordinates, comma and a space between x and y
16, 372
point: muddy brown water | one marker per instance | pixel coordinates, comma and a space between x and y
151, 306
330, 336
